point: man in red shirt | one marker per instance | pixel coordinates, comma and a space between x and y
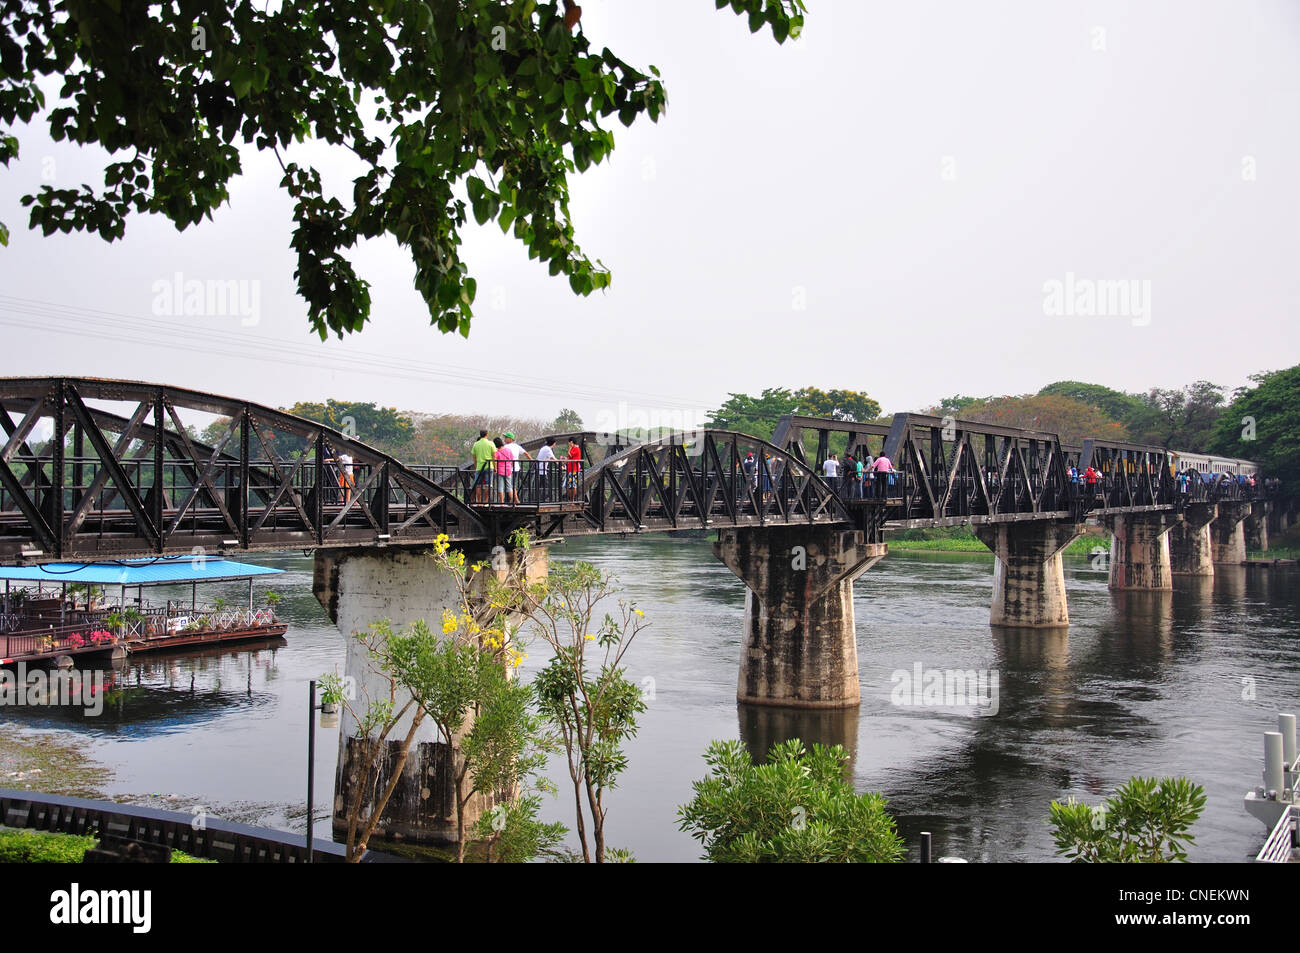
574, 466
1090, 477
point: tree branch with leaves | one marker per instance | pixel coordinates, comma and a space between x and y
442, 109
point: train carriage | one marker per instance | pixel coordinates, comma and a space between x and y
1211, 467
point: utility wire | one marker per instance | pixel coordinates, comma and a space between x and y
114, 326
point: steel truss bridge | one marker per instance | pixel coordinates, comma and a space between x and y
105, 469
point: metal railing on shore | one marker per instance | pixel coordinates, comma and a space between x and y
216, 839
1282, 842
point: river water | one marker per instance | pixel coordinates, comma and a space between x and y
1178, 683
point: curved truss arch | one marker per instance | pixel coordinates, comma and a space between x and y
102, 484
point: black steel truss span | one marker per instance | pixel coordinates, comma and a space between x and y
951, 471
81, 481
700, 480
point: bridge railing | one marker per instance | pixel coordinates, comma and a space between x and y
217, 839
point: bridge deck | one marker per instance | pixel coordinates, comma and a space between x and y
108, 485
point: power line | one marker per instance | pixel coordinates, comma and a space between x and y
114, 326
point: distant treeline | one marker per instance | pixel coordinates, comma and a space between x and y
1257, 422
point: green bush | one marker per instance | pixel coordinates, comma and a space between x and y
796, 808
20, 846
1146, 821
38, 847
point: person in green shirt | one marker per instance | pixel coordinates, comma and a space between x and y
483, 450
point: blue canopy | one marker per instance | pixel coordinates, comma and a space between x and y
138, 572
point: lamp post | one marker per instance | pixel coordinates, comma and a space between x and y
312, 708
326, 708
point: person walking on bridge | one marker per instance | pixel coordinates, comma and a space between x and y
483, 451
1090, 478
868, 471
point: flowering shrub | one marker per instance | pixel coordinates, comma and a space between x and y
99, 635
75, 641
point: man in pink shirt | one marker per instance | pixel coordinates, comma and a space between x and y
882, 468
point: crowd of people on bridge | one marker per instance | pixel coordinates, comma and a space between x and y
861, 477
500, 470
866, 477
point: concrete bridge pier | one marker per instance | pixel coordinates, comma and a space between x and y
1028, 575
1190, 549
362, 586
1139, 550
800, 649
1228, 535
1256, 526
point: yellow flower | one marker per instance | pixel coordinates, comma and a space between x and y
589, 637
638, 612
449, 623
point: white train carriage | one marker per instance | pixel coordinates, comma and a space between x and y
1211, 467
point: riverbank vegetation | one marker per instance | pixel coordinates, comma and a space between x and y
961, 539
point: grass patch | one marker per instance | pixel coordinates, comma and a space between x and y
1275, 552
961, 539
20, 846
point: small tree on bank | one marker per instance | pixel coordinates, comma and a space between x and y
796, 808
583, 692
1146, 821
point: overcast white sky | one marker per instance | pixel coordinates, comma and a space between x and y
911, 174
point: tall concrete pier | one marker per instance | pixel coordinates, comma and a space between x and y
1139, 550
1028, 575
1228, 535
1190, 550
799, 645
358, 588
1256, 526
